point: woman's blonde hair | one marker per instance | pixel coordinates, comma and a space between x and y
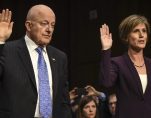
129, 23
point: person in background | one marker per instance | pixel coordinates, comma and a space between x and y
112, 100
76, 94
101, 100
130, 73
88, 108
74, 101
33, 74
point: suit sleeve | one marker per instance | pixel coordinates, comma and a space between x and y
1, 59
108, 70
66, 100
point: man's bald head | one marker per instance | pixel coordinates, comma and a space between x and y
37, 11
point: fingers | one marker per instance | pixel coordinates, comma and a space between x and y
8, 16
2, 15
104, 30
101, 31
5, 16
90, 89
73, 90
107, 30
110, 35
88, 86
11, 25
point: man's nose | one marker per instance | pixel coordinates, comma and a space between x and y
49, 29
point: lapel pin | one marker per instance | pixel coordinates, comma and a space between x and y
53, 59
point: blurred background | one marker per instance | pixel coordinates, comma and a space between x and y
77, 30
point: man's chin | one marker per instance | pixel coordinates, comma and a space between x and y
44, 43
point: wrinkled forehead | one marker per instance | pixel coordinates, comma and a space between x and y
44, 15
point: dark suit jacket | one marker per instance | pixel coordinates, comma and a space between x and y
18, 93
120, 71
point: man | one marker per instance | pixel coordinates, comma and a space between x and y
112, 104
20, 79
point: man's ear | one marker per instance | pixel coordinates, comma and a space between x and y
28, 25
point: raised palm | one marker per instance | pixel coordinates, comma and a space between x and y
5, 25
106, 37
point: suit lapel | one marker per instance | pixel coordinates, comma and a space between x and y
26, 60
134, 73
148, 69
53, 64
25, 57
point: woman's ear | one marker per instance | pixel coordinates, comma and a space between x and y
28, 25
126, 40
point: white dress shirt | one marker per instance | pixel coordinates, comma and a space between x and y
34, 59
143, 78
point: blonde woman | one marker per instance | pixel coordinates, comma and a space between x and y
130, 72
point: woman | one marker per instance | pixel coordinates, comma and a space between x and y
131, 72
88, 108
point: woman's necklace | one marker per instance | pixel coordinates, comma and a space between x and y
139, 66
